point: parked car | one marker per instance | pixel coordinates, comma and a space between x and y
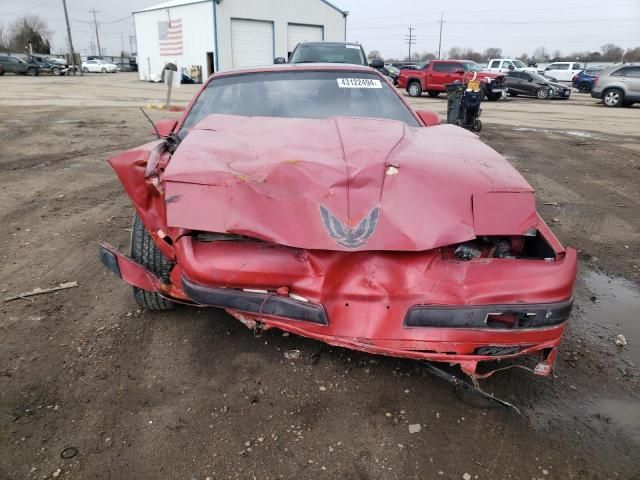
437, 244
437, 74
97, 65
327, 52
563, 71
18, 66
506, 65
45, 65
414, 66
534, 85
584, 80
618, 85
393, 72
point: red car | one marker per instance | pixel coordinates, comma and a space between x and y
313, 199
435, 75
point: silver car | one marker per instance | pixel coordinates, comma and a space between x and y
618, 85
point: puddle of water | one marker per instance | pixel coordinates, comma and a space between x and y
618, 305
626, 414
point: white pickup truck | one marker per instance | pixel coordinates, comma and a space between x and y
506, 65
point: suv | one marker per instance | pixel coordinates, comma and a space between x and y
506, 65
17, 65
328, 52
618, 85
584, 80
46, 64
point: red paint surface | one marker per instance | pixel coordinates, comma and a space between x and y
266, 177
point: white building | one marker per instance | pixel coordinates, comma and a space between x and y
223, 34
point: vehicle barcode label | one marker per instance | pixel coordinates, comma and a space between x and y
358, 83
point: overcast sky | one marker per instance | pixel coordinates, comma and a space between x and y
517, 26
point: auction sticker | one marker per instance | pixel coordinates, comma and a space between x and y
358, 83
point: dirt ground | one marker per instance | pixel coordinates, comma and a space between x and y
193, 394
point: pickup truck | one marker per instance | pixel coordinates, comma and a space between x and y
434, 77
506, 65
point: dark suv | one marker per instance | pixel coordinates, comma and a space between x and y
17, 65
327, 52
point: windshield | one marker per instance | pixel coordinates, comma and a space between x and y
472, 67
306, 94
539, 78
519, 64
328, 53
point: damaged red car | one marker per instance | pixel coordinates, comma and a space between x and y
312, 198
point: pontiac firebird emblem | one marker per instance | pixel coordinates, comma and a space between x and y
346, 236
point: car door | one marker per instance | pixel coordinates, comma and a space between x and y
442, 73
514, 82
17, 66
529, 86
559, 71
495, 66
507, 66
576, 68
630, 76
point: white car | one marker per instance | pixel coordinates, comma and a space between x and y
563, 71
96, 65
506, 65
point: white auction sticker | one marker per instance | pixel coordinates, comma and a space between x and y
358, 83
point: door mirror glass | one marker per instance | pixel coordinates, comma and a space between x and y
279, 60
429, 118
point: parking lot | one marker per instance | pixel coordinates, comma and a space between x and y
193, 394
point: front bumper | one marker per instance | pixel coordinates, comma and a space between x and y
406, 304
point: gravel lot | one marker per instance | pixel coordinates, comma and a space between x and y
193, 394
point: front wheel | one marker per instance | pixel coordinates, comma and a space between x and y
55, 71
584, 87
146, 252
433, 93
613, 98
542, 93
414, 89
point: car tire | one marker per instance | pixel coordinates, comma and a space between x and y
146, 252
542, 93
614, 97
104, 70
493, 97
584, 87
55, 71
433, 93
32, 72
414, 89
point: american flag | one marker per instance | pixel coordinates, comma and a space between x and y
170, 37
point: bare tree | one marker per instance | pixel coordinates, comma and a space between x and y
30, 29
455, 52
611, 52
524, 57
4, 40
492, 52
374, 55
540, 53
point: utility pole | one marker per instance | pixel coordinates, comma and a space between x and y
410, 39
440, 41
73, 53
131, 37
95, 23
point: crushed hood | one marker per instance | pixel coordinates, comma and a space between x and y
344, 184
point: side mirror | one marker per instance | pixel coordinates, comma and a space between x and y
165, 126
429, 118
279, 60
377, 63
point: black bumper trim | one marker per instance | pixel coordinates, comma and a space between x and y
528, 315
254, 302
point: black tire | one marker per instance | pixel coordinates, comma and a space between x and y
55, 71
146, 252
542, 93
414, 89
32, 72
613, 97
477, 125
493, 97
584, 87
433, 93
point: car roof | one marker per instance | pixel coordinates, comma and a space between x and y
297, 67
330, 43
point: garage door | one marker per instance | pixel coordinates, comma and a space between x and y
302, 33
251, 43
